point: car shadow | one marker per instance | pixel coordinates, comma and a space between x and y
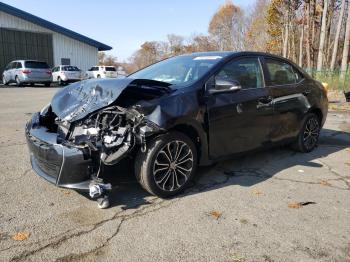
247, 171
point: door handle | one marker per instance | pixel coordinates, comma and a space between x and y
264, 102
306, 92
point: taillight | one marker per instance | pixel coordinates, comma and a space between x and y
26, 71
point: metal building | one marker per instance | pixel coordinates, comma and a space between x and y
25, 36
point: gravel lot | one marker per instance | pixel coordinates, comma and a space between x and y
239, 210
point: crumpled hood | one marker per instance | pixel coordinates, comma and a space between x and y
77, 100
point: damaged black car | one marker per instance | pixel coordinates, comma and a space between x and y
172, 116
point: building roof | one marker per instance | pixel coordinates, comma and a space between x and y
54, 27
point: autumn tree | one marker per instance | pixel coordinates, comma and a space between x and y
274, 21
256, 35
107, 60
228, 27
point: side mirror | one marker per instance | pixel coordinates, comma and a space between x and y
225, 86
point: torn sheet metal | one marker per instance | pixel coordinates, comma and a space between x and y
82, 98
79, 99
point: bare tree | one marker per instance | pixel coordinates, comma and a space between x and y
286, 33
344, 61
301, 43
322, 36
337, 34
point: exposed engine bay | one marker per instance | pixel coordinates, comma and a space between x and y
108, 134
111, 132
105, 135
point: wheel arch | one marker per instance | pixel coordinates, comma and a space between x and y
199, 138
317, 112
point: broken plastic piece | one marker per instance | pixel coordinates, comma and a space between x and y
103, 202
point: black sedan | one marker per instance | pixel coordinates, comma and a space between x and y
172, 116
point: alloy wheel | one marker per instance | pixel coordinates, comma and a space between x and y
311, 133
173, 165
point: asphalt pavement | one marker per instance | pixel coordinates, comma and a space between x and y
276, 205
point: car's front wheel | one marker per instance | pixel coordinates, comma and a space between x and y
167, 165
308, 136
4, 82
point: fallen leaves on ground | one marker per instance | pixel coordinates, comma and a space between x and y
300, 204
325, 183
237, 257
294, 205
20, 236
216, 214
66, 192
347, 163
243, 221
257, 192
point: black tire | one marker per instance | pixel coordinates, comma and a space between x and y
98, 76
308, 136
59, 81
47, 84
18, 82
174, 173
4, 82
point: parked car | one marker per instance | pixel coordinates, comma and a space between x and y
102, 72
172, 116
27, 72
64, 74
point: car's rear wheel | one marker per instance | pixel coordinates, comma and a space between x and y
98, 76
18, 82
167, 165
59, 80
309, 134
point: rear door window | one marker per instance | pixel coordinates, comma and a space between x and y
19, 65
36, 65
280, 73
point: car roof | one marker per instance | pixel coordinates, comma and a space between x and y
232, 53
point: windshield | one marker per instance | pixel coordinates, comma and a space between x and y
178, 70
70, 68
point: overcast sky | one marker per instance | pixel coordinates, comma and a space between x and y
125, 25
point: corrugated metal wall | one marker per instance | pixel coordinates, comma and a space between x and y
16, 44
80, 54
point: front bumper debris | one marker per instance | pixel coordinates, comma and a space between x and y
61, 165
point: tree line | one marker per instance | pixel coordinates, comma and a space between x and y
313, 33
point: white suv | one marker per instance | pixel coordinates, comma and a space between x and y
64, 74
102, 72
